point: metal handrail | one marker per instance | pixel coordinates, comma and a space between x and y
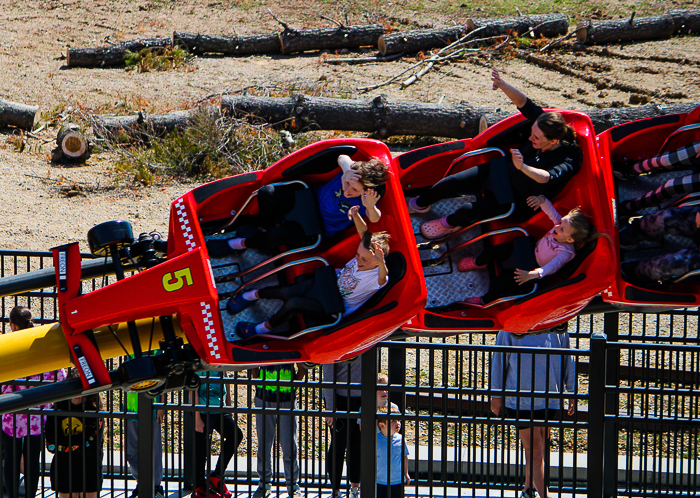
679, 131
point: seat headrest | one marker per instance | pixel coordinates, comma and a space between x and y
321, 162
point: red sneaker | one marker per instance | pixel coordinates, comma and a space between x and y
475, 301
218, 486
468, 264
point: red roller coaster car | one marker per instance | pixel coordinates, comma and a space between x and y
640, 140
553, 300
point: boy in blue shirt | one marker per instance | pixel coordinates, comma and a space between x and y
359, 185
392, 456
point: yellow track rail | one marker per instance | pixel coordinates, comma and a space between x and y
42, 349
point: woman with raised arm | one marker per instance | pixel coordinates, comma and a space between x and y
543, 166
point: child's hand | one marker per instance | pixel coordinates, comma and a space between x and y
350, 176
377, 253
535, 201
353, 211
522, 276
517, 158
369, 198
407, 479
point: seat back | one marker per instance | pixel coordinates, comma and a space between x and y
498, 181
396, 266
523, 256
325, 290
305, 212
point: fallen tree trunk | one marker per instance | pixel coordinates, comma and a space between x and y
685, 21
380, 116
624, 30
112, 55
138, 126
198, 44
300, 40
15, 114
426, 39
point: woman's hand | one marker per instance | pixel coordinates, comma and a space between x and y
535, 201
369, 198
517, 158
329, 422
353, 211
497, 81
522, 276
198, 423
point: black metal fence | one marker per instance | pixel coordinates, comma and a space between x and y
634, 431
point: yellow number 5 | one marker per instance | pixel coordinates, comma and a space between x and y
172, 283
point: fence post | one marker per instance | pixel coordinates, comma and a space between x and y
596, 415
368, 439
145, 447
397, 375
612, 405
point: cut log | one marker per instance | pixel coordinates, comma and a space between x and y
111, 55
685, 21
301, 40
71, 143
198, 44
143, 125
15, 114
380, 116
426, 39
625, 30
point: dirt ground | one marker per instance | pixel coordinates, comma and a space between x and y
36, 216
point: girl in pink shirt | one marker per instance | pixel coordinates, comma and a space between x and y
556, 248
21, 434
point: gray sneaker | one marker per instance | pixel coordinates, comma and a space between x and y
294, 492
263, 491
354, 493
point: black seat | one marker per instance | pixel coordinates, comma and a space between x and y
523, 258
305, 212
325, 290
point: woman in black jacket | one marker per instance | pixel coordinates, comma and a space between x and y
543, 166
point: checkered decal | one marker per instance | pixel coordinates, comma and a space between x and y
209, 328
185, 224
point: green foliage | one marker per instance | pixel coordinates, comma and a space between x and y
156, 59
211, 147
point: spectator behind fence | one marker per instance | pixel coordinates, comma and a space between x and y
21, 434
273, 397
212, 395
530, 373
345, 433
131, 401
382, 395
392, 456
76, 442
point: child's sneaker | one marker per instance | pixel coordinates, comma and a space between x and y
158, 492
475, 301
468, 264
246, 330
237, 304
201, 492
414, 208
294, 492
354, 493
217, 487
436, 229
528, 493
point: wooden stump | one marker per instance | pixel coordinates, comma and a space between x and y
686, 21
624, 30
426, 39
15, 114
112, 55
301, 40
198, 43
71, 144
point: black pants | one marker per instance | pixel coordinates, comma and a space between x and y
231, 436
294, 301
273, 203
390, 491
345, 436
503, 284
14, 448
